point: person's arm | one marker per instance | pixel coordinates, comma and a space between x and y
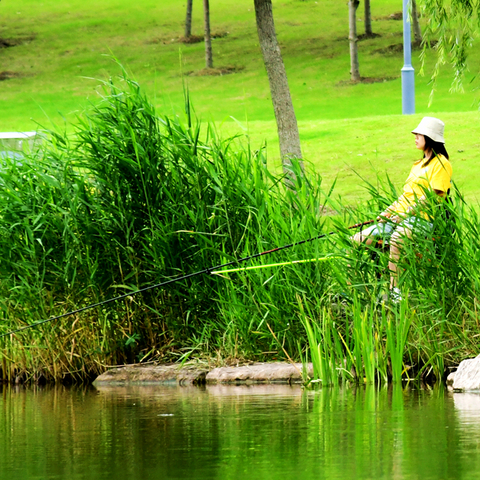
387, 213
418, 204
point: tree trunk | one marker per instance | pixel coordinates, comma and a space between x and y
287, 127
188, 19
368, 19
417, 32
352, 37
208, 38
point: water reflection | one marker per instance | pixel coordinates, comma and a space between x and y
467, 406
237, 432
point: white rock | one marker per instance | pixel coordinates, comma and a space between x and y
467, 376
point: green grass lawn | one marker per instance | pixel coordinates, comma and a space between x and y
64, 46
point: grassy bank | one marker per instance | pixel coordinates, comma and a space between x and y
344, 128
133, 197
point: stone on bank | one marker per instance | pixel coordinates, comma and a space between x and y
278, 372
466, 377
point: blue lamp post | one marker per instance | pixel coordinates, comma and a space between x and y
408, 73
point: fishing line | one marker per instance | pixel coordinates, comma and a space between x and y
209, 271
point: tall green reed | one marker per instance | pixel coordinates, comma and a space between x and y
397, 329
129, 199
133, 197
325, 351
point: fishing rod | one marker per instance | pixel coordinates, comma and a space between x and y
210, 270
281, 264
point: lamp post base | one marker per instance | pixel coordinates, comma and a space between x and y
408, 90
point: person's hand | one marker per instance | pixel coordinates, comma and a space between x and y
382, 218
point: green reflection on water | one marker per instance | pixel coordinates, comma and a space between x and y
238, 432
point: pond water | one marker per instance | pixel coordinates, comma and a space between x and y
238, 432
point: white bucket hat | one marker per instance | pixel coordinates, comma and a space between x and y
431, 127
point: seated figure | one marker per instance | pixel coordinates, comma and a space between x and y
407, 214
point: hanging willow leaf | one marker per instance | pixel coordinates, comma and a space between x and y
454, 25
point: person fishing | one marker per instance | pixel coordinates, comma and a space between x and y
407, 215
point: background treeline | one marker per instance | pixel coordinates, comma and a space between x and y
134, 198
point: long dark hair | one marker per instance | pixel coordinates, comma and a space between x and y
437, 149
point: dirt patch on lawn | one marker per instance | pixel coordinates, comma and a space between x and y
392, 16
390, 50
7, 75
186, 40
215, 72
13, 42
365, 36
6, 42
398, 48
360, 38
200, 38
346, 83
191, 39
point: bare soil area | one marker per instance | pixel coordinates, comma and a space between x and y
214, 72
7, 75
367, 80
186, 40
13, 42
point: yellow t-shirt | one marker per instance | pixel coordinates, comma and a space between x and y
435, 176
